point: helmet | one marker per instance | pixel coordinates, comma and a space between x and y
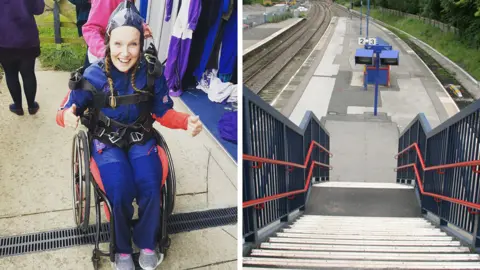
126, 14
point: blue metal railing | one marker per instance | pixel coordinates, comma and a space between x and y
270, 135
450, 154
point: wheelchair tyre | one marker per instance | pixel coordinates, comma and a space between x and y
81, 178
171, 181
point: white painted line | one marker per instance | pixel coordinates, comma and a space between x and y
315, 98
317, 47
362, 185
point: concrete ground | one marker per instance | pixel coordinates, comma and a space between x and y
35, 185
256, 34
413, 88
364, 146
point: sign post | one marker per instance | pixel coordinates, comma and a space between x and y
368, 14
384, 55
361, 15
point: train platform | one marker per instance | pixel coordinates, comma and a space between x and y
259, 35
36, 189
413, 88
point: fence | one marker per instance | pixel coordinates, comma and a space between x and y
252, 20
445, 164
442, 26
56, 6
276, 157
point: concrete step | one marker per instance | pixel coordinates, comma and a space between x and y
378, 256
354, 242
384, 242
364, 248
366, 237
363, 202
386, 233
288, 263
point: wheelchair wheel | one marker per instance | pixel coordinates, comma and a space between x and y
81, 179
171, 181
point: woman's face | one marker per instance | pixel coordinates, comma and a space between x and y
124, 47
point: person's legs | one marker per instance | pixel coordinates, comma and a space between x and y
12, 69
27, 69
117, 178
147, 170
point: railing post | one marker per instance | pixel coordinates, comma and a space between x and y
56, 22
443, 221
476, 233
287, 174
248, 149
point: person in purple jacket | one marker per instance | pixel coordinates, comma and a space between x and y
19, 47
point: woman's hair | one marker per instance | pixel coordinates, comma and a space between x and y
108, 62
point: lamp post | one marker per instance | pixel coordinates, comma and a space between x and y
368, 14
361, 15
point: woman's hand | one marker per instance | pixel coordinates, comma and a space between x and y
147, 31
70, 118
194, 125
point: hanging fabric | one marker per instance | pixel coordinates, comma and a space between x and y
179, 48
207, 19
210, 42
229, 48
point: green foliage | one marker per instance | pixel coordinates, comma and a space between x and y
280, 17
448, 44
64, 57
462, 14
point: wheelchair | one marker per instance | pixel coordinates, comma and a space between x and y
83, 179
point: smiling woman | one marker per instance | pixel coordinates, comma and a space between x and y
128, 158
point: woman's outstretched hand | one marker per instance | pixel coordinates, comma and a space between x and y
147, 31
70, 118
194, 125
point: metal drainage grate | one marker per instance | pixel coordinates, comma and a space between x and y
63, 238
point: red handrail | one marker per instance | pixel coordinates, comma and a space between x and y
279, 162
472, 163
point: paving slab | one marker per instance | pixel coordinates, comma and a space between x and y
251, 36
218, 249
413, 88
35, 184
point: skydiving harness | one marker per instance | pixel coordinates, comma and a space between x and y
110, 131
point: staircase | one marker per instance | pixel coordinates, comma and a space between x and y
326, 242
372, 211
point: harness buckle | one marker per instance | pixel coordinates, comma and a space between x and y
136, 136
101, 132
113, 101
114, 137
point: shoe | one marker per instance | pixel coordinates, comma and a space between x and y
34, 110
175, 93
123, 262
15, 110
149, 259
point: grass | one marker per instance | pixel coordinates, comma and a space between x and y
64, 57
441, 73
446, 43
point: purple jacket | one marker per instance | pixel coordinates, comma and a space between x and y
18, 28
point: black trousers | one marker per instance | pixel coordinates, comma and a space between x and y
24, 66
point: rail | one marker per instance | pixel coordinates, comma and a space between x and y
445, 169
280, 162
259, 160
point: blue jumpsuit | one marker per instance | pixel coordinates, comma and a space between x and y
133, 174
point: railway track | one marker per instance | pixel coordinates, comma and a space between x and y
269, 70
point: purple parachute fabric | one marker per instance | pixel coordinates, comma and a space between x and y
227, 127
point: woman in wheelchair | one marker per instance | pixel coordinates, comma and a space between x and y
118, 99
